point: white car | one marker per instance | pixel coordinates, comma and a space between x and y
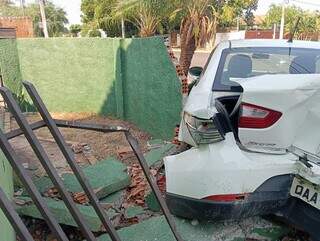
252, 123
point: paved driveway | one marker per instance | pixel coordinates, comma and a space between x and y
199, 58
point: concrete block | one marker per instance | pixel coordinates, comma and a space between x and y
157, 229
134, 211
105, 177
152, 202
157, 154
61, 213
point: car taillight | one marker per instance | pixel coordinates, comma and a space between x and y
253, 116
204, 131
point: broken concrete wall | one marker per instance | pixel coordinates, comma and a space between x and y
132, 79
151, 90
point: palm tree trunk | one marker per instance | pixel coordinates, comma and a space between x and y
188, 47
187, 52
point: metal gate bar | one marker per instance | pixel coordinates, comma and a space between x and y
138, 153
90, 126
45, 161
136, 149
19, 132
11, 156
37, 101
13, 217
52, 124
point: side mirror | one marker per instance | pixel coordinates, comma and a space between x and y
195, 72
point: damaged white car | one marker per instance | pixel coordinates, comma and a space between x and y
252, 123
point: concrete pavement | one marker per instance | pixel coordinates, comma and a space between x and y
199, 58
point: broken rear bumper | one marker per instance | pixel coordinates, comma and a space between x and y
217, 211
303, 216
293, 210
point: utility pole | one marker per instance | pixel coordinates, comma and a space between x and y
22, 4
282, 18
238, 24
43, 19
123, 29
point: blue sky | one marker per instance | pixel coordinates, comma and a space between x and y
72, 7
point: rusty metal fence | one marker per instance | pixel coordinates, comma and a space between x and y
47, 121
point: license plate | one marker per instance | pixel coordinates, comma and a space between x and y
306, 191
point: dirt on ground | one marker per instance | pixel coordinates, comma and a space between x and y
89, 147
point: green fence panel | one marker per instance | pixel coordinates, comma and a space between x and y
152, 91
132, 79
6, 183
10, 66
71, 74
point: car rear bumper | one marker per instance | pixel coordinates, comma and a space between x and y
293, 210
209, 210
302, 216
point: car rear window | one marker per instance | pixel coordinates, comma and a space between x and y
239, 63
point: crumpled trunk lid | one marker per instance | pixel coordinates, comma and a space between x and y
297, 97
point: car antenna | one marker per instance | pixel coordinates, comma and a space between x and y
294, 30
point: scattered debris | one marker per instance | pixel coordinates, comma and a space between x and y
80, 198
125, 153
105, 177
131, 206
61, 213
156, 228
134, 211
138, 186
152, 202
157, 154
114, 175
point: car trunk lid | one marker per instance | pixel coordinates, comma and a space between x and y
296, 98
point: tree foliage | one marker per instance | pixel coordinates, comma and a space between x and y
196, 19
230, 11
309, 24
75, 29
96, 15
200, 19
56, 16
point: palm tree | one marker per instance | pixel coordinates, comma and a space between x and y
146, 15
198, 26
198, 20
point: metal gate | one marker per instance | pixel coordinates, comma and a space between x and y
27, 129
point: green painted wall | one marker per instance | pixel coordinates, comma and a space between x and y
132, 79
6, 183
10, 66
72, 75
151, 89
10, 71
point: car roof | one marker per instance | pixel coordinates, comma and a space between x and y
270, 43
